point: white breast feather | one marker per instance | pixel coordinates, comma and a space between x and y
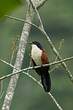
36, 54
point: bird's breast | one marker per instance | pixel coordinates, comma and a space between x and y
36, 54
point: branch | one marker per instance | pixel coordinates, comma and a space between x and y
39, 3
38, 16
22, 20
55, 101
1, 90
30, 68
18, 63
59, 48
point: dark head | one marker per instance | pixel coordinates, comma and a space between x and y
37, 44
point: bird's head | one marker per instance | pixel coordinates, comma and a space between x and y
35, 43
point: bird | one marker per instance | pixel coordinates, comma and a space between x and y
40, 57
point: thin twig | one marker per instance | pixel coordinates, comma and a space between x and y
38, 15
55, 101
7, 63
41, 3
60, 46
22, 20
1, 92
30, 68
13, 49
15, 18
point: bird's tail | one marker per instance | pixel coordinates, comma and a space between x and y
46, 81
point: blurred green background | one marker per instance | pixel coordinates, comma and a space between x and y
57, 17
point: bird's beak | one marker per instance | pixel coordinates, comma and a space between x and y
30, 43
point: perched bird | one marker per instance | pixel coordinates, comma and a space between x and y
39, 57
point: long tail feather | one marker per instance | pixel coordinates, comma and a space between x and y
46, 81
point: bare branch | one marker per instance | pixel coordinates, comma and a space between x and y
22, 20
18, 63
13, 49
1, 89
39, 3
30, 68
38, 16
57, 66
55, 101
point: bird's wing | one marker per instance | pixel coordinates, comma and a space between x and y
44, 58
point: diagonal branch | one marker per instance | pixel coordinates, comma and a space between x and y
57, 66
18, 63
39, 3
22, 20
30, 68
